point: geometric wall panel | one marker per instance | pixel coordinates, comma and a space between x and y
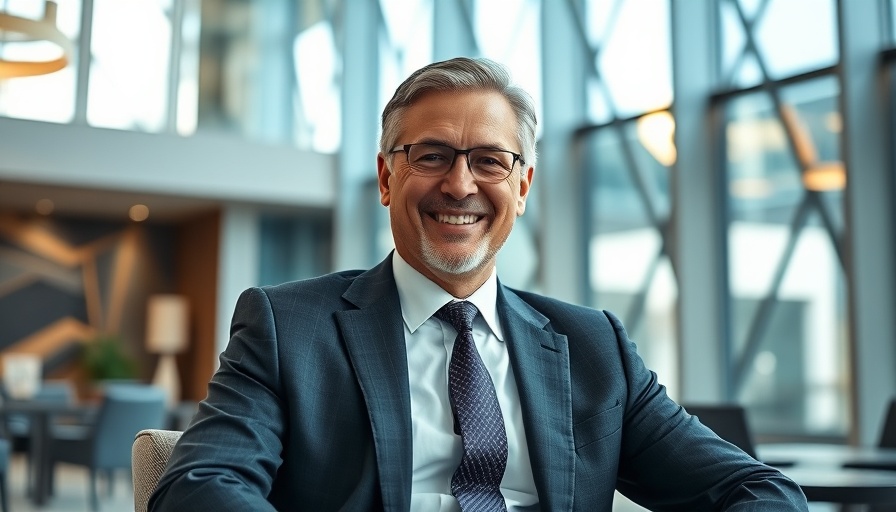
64, 280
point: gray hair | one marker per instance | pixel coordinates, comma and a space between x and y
461, 74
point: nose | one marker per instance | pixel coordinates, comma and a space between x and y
459, 182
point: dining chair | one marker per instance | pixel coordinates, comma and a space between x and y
105, 445
728, 421
888, 429
150, 453
887, 440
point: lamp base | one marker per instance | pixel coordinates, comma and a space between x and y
167, 378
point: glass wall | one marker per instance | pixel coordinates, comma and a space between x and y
786, 277
293, 248
627, 160
630, 45
314, 66
784, 186
269, 71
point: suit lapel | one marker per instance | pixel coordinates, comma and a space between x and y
540, 361
374, 338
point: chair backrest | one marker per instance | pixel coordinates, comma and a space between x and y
125, 410
728, 421
888, 431
150, 453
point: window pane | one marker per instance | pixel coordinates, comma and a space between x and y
317, 68
405, 42
634, 61
630, 272
49, 97
293, 247
129, 72
785, 186
791, 36
518, 46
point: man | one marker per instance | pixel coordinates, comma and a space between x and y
360, 391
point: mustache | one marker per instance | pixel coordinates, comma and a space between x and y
467, 204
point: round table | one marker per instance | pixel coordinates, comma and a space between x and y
830, 455
41, 414
845, 485
830, 472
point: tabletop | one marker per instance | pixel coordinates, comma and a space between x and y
837, 473
41, 413
844, 485
832, 455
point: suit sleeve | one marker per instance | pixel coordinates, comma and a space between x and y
228, 457
671, 462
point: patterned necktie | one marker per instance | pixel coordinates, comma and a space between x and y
477, 481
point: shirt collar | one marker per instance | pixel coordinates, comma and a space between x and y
420, 298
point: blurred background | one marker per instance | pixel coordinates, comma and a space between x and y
720, 174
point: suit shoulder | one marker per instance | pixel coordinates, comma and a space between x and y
327, 285
556, 309
593, 334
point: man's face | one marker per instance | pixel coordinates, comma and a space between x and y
450, 227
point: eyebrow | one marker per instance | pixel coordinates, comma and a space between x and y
443, 142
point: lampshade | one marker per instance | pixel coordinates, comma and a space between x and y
15, 29
22, 374
167, 324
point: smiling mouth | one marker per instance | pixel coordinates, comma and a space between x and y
457, 219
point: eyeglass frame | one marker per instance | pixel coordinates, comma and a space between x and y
406, 149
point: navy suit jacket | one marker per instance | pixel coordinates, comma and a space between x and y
310, 410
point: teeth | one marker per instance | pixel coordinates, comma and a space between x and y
456, 219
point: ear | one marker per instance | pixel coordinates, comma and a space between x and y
525, 185
383, 174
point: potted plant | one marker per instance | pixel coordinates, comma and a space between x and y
105, 359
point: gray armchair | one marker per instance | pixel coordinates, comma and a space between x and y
151, 451
105, 445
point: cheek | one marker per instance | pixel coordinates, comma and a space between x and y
403, 199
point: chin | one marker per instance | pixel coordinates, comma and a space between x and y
454, 263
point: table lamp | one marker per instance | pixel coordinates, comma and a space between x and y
167, 327
22, 375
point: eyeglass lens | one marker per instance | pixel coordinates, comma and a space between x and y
485, 163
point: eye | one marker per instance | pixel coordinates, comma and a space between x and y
430, 156
494, 160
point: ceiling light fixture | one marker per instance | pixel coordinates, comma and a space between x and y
138, 212
656, 131
44, 206
15, 29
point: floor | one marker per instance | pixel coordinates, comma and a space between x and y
70, 493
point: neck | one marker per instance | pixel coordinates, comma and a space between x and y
460, 285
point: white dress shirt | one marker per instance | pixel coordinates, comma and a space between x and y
437, 449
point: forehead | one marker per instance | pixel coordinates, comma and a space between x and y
460, 117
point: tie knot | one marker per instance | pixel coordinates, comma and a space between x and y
459, 314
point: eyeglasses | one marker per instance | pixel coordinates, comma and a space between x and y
488, 165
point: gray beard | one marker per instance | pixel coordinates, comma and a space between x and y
461, 265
